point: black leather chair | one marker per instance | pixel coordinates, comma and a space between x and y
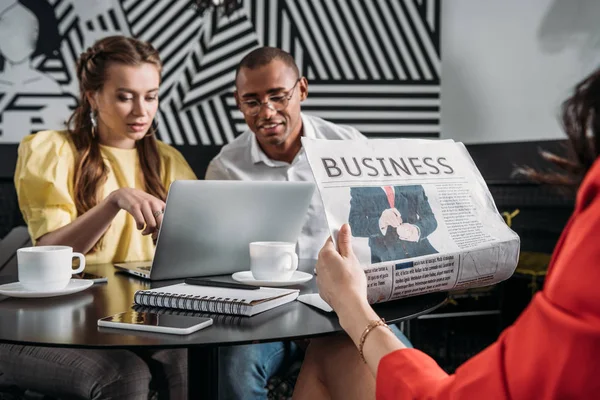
17, 237
10, 215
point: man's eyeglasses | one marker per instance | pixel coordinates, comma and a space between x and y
276, 102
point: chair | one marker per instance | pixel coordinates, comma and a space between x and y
17, 237
10, 215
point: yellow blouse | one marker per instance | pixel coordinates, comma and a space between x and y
44, 183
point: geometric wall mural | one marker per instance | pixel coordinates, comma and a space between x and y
375, 65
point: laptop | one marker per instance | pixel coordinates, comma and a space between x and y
207, 226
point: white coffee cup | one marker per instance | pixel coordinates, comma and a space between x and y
46, 268
273, 261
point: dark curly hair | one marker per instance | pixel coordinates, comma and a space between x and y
581, 123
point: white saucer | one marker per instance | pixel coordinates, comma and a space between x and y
247, 278
15, 289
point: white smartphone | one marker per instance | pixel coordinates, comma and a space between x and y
91, 277
151, 322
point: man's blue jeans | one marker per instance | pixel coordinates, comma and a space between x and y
245, 370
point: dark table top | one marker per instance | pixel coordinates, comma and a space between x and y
71, 321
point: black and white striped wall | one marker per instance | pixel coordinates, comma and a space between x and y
373, 64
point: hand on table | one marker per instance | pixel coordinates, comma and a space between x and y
146, 209
390, 217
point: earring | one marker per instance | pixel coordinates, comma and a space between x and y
94, 123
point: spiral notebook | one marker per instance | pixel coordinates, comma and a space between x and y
215, 299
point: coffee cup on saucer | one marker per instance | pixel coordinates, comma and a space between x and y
47, 268
275, 261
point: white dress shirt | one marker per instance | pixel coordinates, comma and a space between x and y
243, 159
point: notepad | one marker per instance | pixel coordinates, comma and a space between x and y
315, 300
214, 299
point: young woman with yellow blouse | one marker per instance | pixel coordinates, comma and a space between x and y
100, 187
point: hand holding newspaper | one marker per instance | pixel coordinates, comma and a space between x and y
421, 215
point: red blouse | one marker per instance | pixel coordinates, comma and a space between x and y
552, 351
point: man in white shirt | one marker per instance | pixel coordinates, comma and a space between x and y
269, 96
269, 90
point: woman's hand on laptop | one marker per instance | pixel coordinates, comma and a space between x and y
147, 210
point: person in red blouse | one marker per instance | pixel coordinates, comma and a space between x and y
552, 351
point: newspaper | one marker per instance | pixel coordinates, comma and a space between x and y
421, 215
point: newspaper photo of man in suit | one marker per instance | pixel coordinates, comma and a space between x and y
396, 219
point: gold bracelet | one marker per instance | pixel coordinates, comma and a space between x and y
372, 325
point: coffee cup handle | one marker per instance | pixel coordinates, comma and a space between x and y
294, 265
81, 263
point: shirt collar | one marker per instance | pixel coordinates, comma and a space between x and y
257, 155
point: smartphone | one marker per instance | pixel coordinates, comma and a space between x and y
91, 277
151, 322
